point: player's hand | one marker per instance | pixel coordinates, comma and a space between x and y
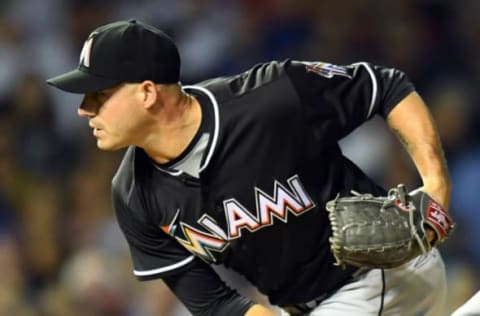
431, 236
438, 190
259, 310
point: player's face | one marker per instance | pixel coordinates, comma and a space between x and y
114, 116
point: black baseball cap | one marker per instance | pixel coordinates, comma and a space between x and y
123, 51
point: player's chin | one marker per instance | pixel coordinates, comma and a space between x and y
107, 146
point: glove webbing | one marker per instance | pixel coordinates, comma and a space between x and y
400, 193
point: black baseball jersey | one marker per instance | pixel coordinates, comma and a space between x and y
250, 190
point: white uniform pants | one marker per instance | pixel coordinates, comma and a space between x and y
417, 288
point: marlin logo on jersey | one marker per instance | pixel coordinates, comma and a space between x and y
293, 200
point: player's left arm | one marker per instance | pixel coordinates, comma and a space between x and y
413, 124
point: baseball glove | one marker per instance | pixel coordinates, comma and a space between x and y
385, 231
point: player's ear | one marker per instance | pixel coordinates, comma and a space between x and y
148, 93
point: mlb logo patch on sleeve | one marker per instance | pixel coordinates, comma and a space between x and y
327, 70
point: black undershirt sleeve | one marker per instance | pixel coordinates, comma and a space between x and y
202, 291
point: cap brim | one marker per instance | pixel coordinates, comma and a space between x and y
78, 81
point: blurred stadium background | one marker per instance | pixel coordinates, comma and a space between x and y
61, 252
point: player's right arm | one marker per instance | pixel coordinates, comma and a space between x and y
203, 293
157, 255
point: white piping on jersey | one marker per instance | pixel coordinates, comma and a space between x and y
374, 86
174, 173
164, 269
217, 123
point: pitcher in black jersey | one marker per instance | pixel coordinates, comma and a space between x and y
237, 171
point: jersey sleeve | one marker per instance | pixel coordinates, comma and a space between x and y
343, 97
204, 293
154, 254
192, 281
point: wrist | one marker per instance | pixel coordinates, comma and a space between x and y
439, 190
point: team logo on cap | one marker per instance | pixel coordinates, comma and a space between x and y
87, 50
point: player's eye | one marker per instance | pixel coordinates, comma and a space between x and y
104, 95
101, 96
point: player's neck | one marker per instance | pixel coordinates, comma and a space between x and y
174, 130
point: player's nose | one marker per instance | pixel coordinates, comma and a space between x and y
88, 108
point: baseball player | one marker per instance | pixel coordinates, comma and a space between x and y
237, 171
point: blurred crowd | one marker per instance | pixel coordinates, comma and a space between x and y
61, 252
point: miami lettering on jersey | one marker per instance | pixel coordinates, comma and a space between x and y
293, 200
